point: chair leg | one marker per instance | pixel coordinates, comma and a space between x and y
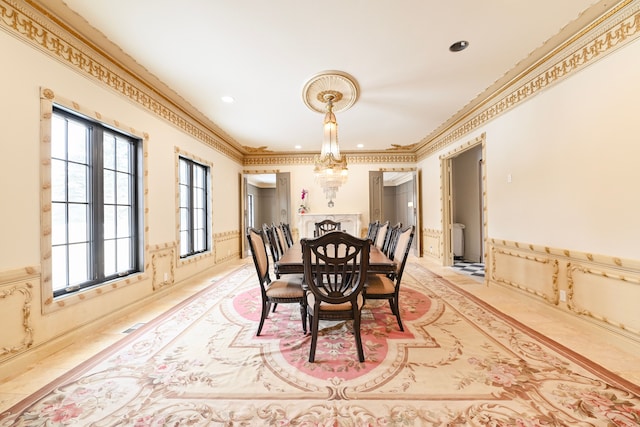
395, 309
398, 315
275, 304
356, 332
303, 315
315, 320
263, 315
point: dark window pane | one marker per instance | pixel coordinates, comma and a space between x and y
92, 204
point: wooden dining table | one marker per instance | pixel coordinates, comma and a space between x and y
291, 261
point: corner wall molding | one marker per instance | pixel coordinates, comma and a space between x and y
611, 31
34, 26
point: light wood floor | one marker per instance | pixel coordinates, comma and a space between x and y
612, 351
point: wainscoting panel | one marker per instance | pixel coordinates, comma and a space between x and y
432, 243
16, 301
605, 294
227, 246
162, 266
603, 289
533, 273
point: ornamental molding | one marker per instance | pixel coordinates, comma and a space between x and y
29, 22
611, 31
33, 23
24, 292
293, 159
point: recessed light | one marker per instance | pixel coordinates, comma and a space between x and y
458, 46
227, 99
360, 145
298, 147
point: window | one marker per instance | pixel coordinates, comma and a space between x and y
95, 213
194, 207
251, 210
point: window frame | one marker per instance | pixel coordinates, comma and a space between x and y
96, 204
49, 303
194, 224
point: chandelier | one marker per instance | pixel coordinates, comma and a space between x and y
330, 91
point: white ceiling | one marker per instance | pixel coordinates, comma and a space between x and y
262, 53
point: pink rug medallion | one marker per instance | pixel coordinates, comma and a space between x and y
458, 363
336, 354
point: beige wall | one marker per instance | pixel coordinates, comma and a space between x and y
567, 226
35, 327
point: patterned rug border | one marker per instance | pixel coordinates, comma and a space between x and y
572, 355
113, 348
443, 289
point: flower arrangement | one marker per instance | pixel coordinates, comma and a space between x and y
303, 204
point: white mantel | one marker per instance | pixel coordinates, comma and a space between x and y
348, 222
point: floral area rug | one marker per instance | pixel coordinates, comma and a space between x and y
458, 363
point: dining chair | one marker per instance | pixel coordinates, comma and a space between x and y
280, 291
391, 239
272, 241
335, 269
277, 250
383, 229
372, 230
381, 286
282, 241
325, 226
287, 233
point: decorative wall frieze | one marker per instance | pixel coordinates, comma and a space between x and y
260, 171
19, 18
608, 33
292, 159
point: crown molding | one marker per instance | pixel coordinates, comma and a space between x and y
278, 159
45, 24
616, 27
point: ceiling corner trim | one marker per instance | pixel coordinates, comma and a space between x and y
614, 29
39, 28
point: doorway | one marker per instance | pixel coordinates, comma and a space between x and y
464, 201
265, 199
394, 197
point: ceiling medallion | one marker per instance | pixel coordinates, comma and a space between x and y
341, 85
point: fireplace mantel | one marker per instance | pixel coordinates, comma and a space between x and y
349, 222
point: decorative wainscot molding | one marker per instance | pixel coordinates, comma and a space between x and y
432, 243
599, 288
348, 222
605, 293
16, 295
530, 272
163, 265
226, 246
